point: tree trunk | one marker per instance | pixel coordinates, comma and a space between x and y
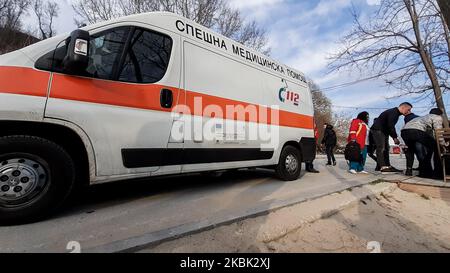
445, 8
427, 60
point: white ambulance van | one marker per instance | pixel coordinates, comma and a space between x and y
141, 96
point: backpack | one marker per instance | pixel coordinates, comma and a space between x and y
353, 152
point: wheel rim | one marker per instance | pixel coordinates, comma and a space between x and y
291, 164
22, 180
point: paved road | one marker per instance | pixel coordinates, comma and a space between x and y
125, 215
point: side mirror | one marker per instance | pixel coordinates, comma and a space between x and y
77, 58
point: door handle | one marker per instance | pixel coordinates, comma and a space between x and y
166, 98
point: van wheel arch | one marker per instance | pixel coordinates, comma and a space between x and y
64, 136
294, 144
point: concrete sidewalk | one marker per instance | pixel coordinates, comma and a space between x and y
130, 215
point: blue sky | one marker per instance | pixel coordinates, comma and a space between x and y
303, 34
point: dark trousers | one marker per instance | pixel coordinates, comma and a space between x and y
371, 150
382, 148
411, 138
330, 153
420, 151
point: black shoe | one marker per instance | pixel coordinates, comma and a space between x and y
377, 169
313, 171
334, 163
389, 170
409, 172
395, 170
328, 164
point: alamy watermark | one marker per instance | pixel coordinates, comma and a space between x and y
227, 123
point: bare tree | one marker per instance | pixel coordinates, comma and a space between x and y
443, 11
404, 42
46, 14
129, 7
323, 114
445, 7
341, 122
215, 14
93, 11
203, 12
3, 5
11, 12
322, 108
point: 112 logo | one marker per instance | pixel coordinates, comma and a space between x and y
291, 96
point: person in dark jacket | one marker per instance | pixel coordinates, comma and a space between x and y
329, 140
419, 149
384, 128
372, 149
410, 117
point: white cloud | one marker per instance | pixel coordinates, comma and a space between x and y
253, 3
313, 60
258, 10
373, 2
325, 7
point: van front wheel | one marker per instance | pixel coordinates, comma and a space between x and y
36, 176
290, 164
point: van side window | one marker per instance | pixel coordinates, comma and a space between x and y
105, 50
147, 57
145, 60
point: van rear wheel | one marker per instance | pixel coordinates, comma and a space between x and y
290, 164
36, 176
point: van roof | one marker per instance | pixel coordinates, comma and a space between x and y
167, 20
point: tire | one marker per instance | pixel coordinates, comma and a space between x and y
285, 170
47, 169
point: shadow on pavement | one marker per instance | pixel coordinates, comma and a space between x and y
121, 192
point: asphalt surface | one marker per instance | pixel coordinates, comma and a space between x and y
127, 216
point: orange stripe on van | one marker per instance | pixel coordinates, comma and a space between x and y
253, 112
27, 81
23, 81
142, 96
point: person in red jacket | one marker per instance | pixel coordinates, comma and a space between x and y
359, 132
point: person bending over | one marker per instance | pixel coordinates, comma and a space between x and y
416, 131
384, 128
419, 149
